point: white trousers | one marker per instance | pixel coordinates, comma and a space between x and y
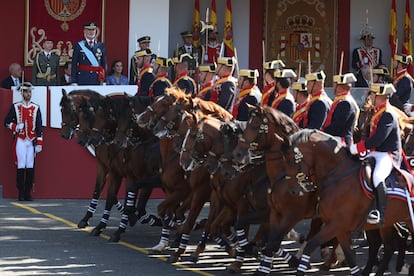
383, 166
25, 153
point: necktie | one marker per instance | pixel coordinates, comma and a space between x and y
16, 82
48, 56
91, 43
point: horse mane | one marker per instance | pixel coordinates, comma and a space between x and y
212, 108
303, 136
288, 126
176, 92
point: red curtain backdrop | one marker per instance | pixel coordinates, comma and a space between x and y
61, 22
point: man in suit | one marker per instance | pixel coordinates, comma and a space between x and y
66, 79
188, 48
46, 66
14, 79
89, 58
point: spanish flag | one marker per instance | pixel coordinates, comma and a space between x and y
393, 36
213, 20
196, 24
407, 46
228, 31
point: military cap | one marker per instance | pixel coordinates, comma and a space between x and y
382, 89
380, 71
187, 34
316, 76
144, 39
406, 59
345, 78
25, 86
300, 85
227, 61
207, 68
183, 58
274, 64
366, 32
145, 52
284, 73
90, 25
248, 73
164, 62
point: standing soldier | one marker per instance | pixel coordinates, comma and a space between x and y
182, 79
213, 47
225, 86
319, 103
143, 43
301, 96
46, 66
25, 120
284, 101
268, 93
146, 76
206, 81
89, 58
403, 82
161, 68
343, 115
249, 94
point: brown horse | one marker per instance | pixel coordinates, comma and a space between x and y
70, 104
320, 157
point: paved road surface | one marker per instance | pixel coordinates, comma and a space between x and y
41, 238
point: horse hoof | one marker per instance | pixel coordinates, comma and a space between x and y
193, 258
293, 262
132, 220
173, 259
96, 232
158, 248
235, 267
83, 224
114, 238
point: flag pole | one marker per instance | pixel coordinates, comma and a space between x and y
264, 61
341, 63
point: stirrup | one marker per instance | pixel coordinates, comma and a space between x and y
374, 217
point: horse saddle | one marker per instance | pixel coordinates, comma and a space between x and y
398, 178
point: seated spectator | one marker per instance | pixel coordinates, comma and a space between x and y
115, 76
15, 77
66, 79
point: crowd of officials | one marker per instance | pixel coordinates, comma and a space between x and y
204, 72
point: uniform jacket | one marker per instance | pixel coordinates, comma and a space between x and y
342, 118
403, 84
45, 71
8, 82
226, 89
87, 77
317, 110
284, 102
251, 96
207, 93
373, 56
185, 83
30, 115
159, 85
146, 78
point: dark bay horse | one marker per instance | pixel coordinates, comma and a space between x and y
70, 104
138, 164
335, 174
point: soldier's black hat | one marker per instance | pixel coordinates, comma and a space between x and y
145, 52
90, 25
164, 62
183, 58
186, 34
144, 39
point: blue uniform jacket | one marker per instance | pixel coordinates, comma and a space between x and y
402, 94
287, 106
317, 113
343, 121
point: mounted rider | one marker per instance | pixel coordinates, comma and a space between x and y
384, 144
268, 93
284, 101
301, 96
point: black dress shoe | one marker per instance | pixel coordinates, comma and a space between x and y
21, 198
28, 199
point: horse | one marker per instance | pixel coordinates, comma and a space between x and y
139, 164
70, 104
340, 214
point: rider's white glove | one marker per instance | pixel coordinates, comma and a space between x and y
353, 149
38, 148
407, 108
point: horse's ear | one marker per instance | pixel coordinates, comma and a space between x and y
64, 93
284, 138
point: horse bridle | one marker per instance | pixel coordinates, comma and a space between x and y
73, 125
199, 137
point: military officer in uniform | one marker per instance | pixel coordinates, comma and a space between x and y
46, 66
403, 82
225, 86
381, 74
283, 100
343, 115
301, 96
319, 102
268, 93
161, 68
143, 43
146, 75
89, 58
25, 121
249, 93
206, 76
182, 78
384, 144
